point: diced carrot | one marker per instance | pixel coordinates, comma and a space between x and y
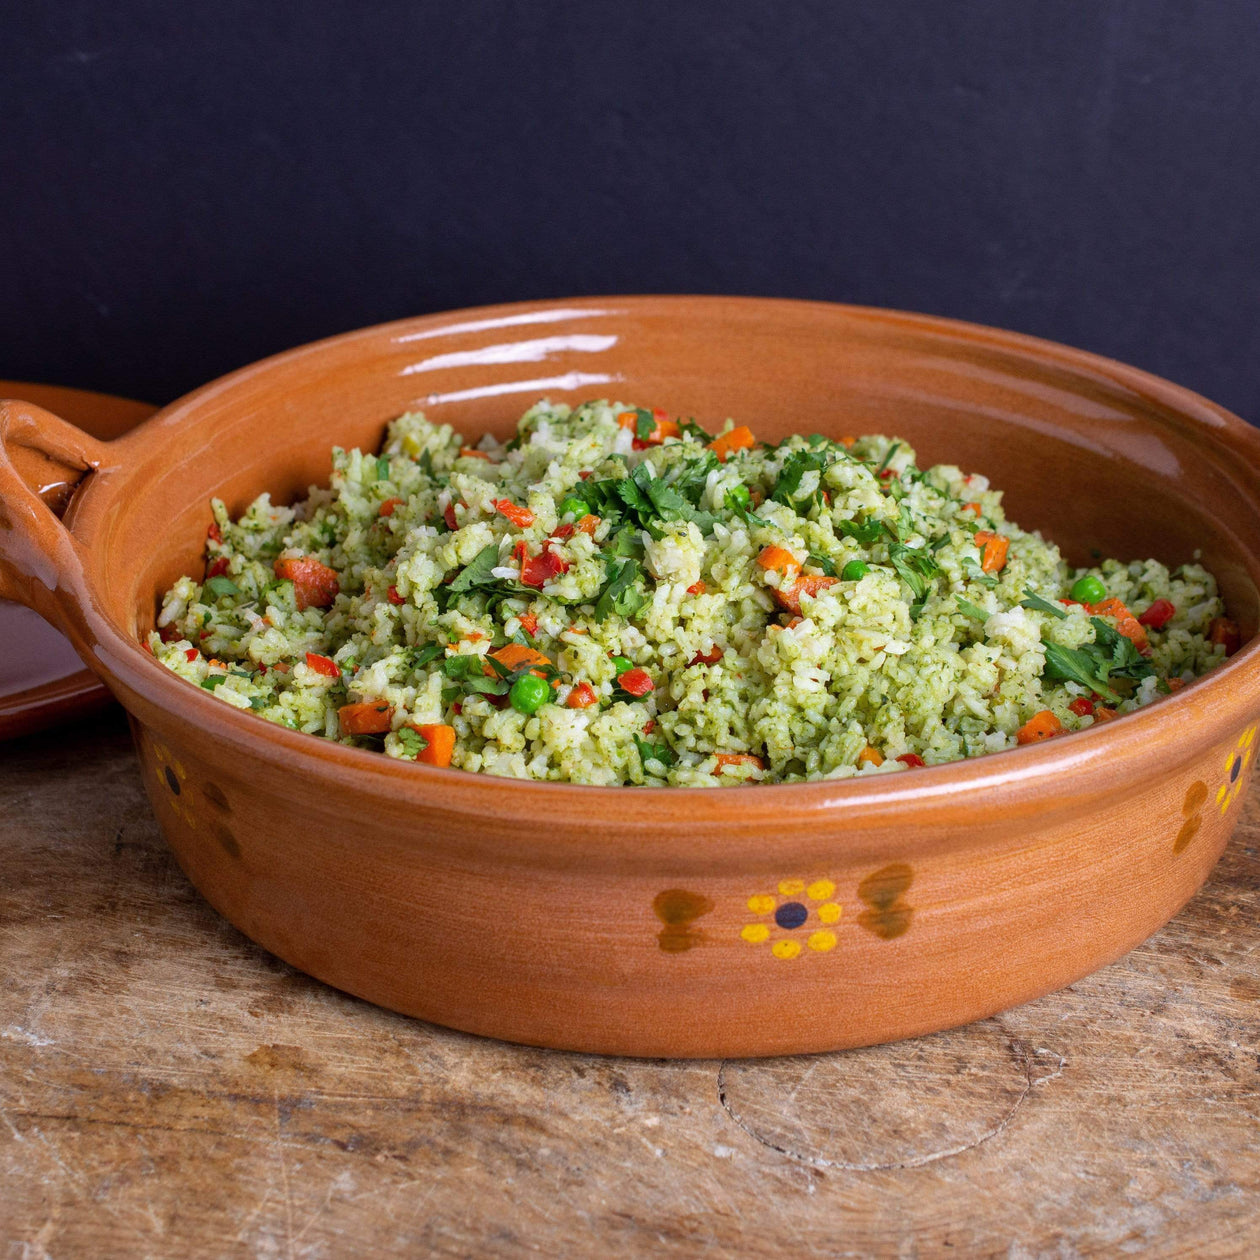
697, 588
1159, 614
789, 597
870, 756
737, 759
913, 760
467, 452
848, 442
323, 665
663, 428
738, 439
441, 742
1176, 684
1043, 725
972, 507
778, 559
315, 585
1224, 632
387, 508
1082, 706
366, 717
529, 623
711, 657
1126, 622
564, 532
518, 515
513, 656
588, 524
1102, 714
994, 550
582, 697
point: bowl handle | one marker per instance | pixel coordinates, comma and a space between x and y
43, 461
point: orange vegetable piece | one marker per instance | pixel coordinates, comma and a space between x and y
789, 597
1224, 631
387, 508
971, 507
518, 515
1043, 725
848, 442
315, 585
779, 559
1126, 623
513, 655
529, 623
1102, 714
711, 657
588, 524
467, 452
737, 759
582, 697
367, 717
739, 439
664, 428
441, 743
994, 550
697, 588
870, 756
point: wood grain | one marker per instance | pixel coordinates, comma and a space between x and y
170, 1089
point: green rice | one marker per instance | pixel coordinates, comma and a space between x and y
924, 655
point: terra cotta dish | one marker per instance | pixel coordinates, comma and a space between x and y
612, 919
42, 680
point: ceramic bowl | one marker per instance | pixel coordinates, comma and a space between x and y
648, 921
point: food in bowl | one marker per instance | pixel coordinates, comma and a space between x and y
617, 597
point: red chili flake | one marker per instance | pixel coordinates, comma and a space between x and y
584, 475
886, 474
564, 532
638, 682
191, 653
323, 665
218, 568
214, 533
649, 726
394, 597
457, 708
448, 514
537, 571
913, 760
529, 623
1082, 707
387, 508
696, 588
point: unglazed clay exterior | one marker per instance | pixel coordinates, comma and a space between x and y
668, 921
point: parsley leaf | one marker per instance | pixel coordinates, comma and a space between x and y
798, 463
966, 606
970, 566
914, 566
413, 743
867, 533
655, 752
822, 562
619, 594
221, 587
1036, 602
478, 573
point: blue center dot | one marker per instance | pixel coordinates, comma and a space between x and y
1235, 770
791, 914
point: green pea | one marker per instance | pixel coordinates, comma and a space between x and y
573, 507
854, 570
529, 693
621, 664
1088, 590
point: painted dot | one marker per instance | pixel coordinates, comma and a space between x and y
1196, 794
830, 912
820, 890
171, 781
792, 887
761, 905
785, 949
822, 941
755, 933
1235, 770
791, 914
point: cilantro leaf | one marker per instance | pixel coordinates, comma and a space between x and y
619, 594
221, 587
914, 566
1077, 665
1036, 602
655, 752
478, 573
413, 743
966, 606
798, 463
822, 562
970, 566
867, 533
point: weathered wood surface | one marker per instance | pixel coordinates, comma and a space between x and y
170, 1089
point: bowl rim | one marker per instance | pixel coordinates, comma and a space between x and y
1003, 785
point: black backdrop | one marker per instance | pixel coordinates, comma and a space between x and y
185, 187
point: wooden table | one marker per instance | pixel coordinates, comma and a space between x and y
169, 1089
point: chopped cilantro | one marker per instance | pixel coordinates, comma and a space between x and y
655, 752
413, 743
221, 587
966, 606
478, 573
1038, 604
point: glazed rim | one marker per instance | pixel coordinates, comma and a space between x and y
1109, 762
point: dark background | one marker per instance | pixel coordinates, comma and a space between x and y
186, 187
